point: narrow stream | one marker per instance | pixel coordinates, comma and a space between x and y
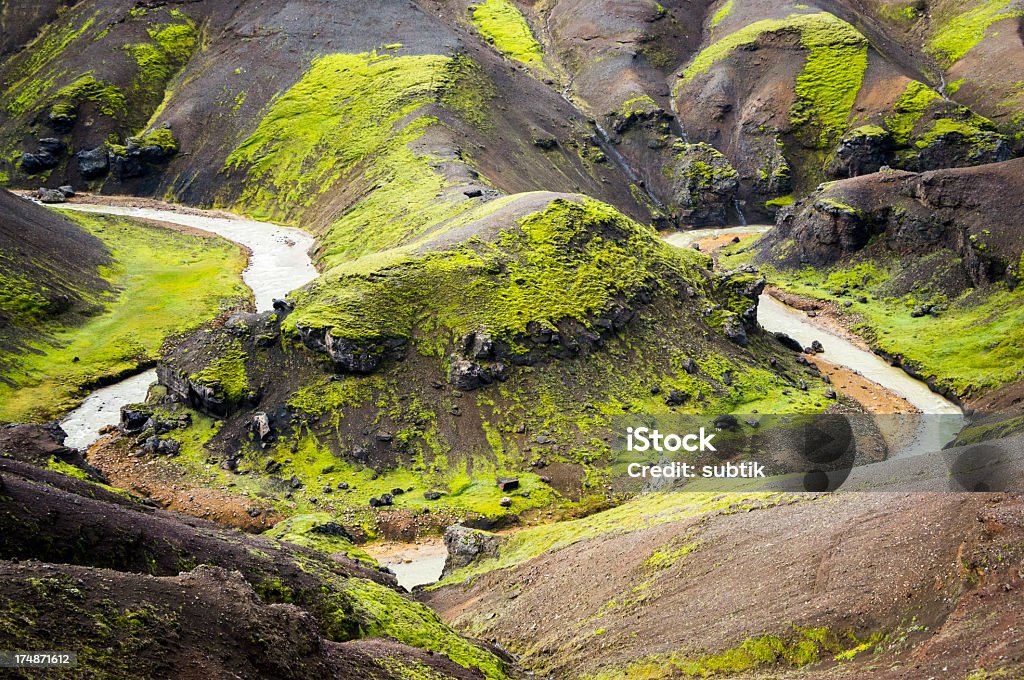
279, 262
941, 419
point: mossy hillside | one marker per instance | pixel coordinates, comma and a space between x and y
912, 105
973, 345
345, 110
828, 86
166, 282
571, 260
46, 81
108, 638
35, 69
800, 648
504, 26
638, 514
722, 13
168, 49
959, 35
388, 614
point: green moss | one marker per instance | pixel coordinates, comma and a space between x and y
909, 109
227, 374
21, 300
166, 282
346, 111
959, 35
34, 69
722, 13
637, 106
87, 89
529, 275
780, 202
501, 24
973, 346
638, 514
665, 557
385, 613
170, 49
975, 131
805, 646
469, 92
299, 530
827, 88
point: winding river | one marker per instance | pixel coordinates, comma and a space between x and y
940, 419
279, 262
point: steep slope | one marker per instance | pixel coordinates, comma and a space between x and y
846, 586
927, 266
91, 299
494, 347
49, 269
117, 577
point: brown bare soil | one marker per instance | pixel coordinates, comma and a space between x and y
923, 568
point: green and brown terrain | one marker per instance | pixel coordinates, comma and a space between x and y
487, 187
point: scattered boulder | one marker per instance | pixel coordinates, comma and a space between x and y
677, 398
466, 545
50, 195
432, 495
468, 375
788, 342
726, 422
505, 502
507, 484
67, 190
135, 417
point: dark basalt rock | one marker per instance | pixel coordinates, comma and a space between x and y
467, 375
351, 356
863, 151
135, 418
93, 163
507, 484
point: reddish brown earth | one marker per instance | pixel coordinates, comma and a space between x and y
938, 573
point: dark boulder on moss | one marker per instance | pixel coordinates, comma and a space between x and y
466, 546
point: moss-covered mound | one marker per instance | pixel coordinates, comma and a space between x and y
497, 349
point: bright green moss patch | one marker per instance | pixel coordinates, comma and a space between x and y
86, 88
909, 109
170, 48
961, 33
722, 13
554, 266
166, 282
504, 26
827, 88
21, 300
780, 202
640, 513
226, 373
300, 530
803, 647
388, 614
345, 110
976, 131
